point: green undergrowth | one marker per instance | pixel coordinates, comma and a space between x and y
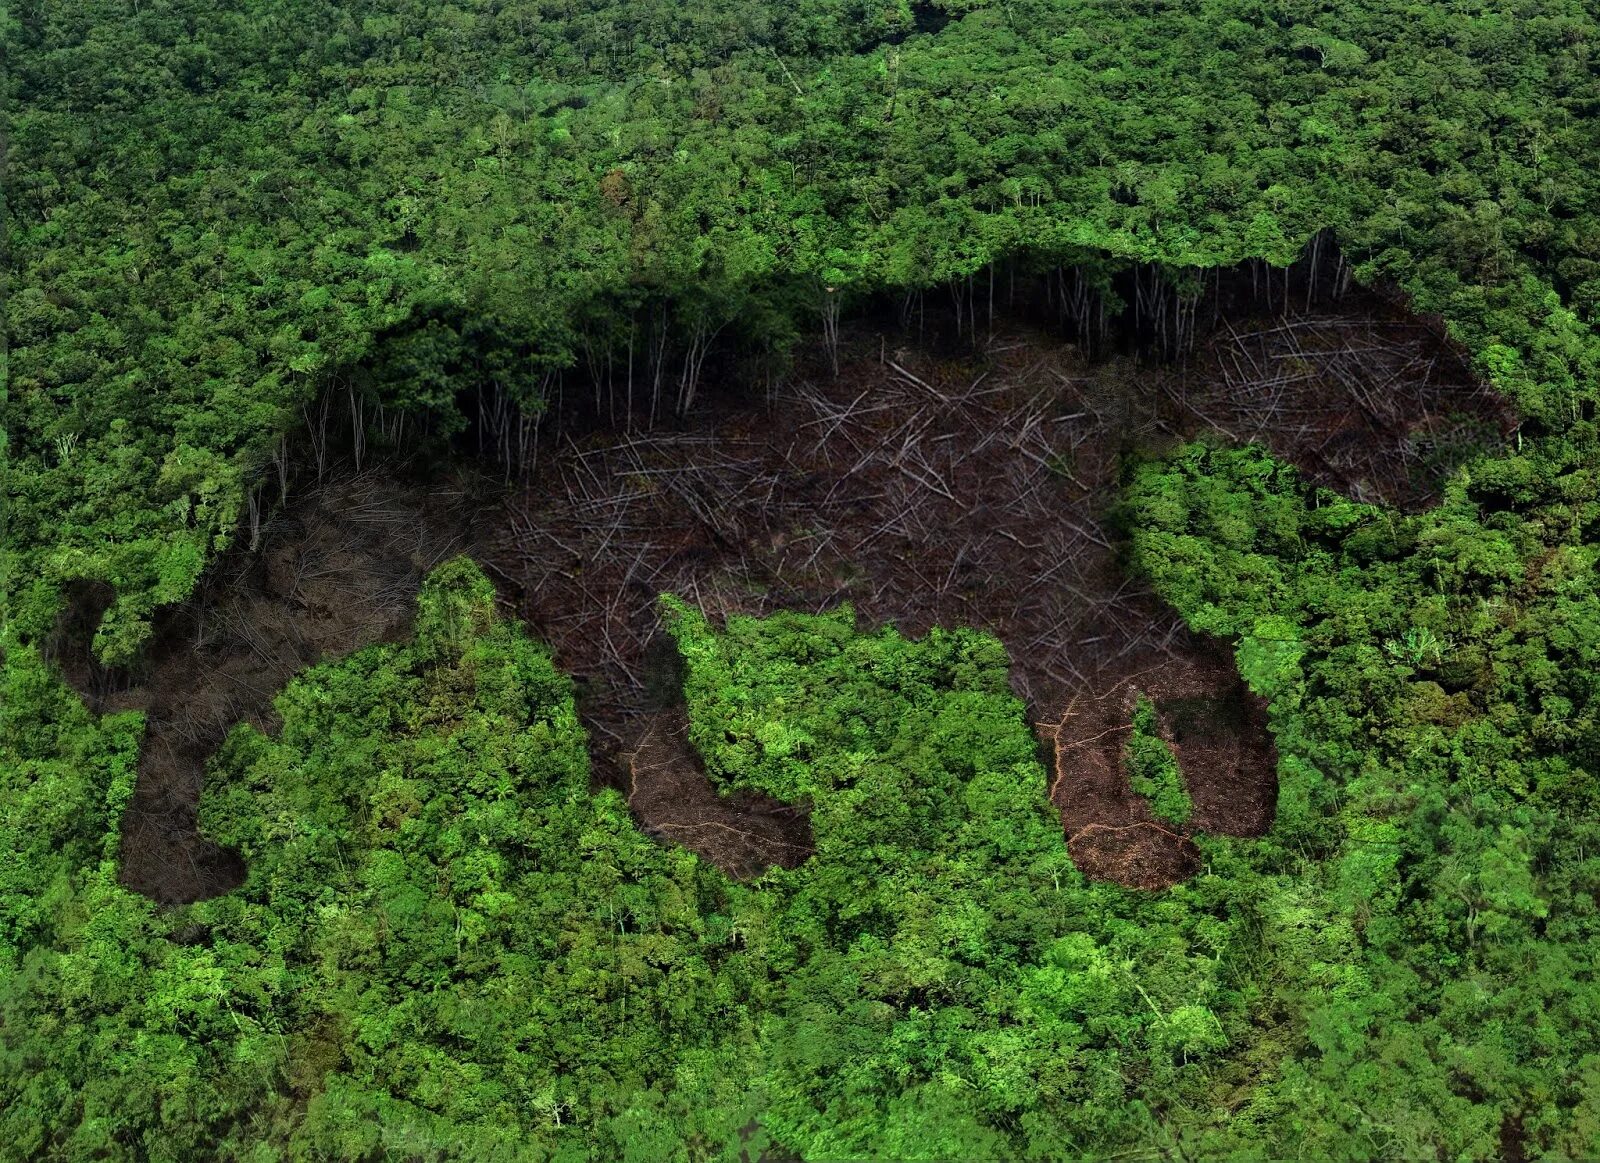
448, 946
953, 988
445, 945
1153, 770
1432, 682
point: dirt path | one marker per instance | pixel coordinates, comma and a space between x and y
1217, 730
673, 797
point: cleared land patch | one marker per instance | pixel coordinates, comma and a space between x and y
977, 490
930, 482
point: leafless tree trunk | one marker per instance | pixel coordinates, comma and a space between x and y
699, 347
358, 427
318, 433
658, 359
830, 326
253, 501
633, 326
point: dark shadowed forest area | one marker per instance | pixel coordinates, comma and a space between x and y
977, 579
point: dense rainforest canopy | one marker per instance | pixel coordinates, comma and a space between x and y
223, 220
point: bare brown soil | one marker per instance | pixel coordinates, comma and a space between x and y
336, 571
1145, 854
671, 794
973, 491
1217, 729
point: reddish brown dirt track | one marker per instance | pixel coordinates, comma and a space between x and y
670, 792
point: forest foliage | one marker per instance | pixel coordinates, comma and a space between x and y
1152, 767
447, 945
1431, 682
223, 217
220, 215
